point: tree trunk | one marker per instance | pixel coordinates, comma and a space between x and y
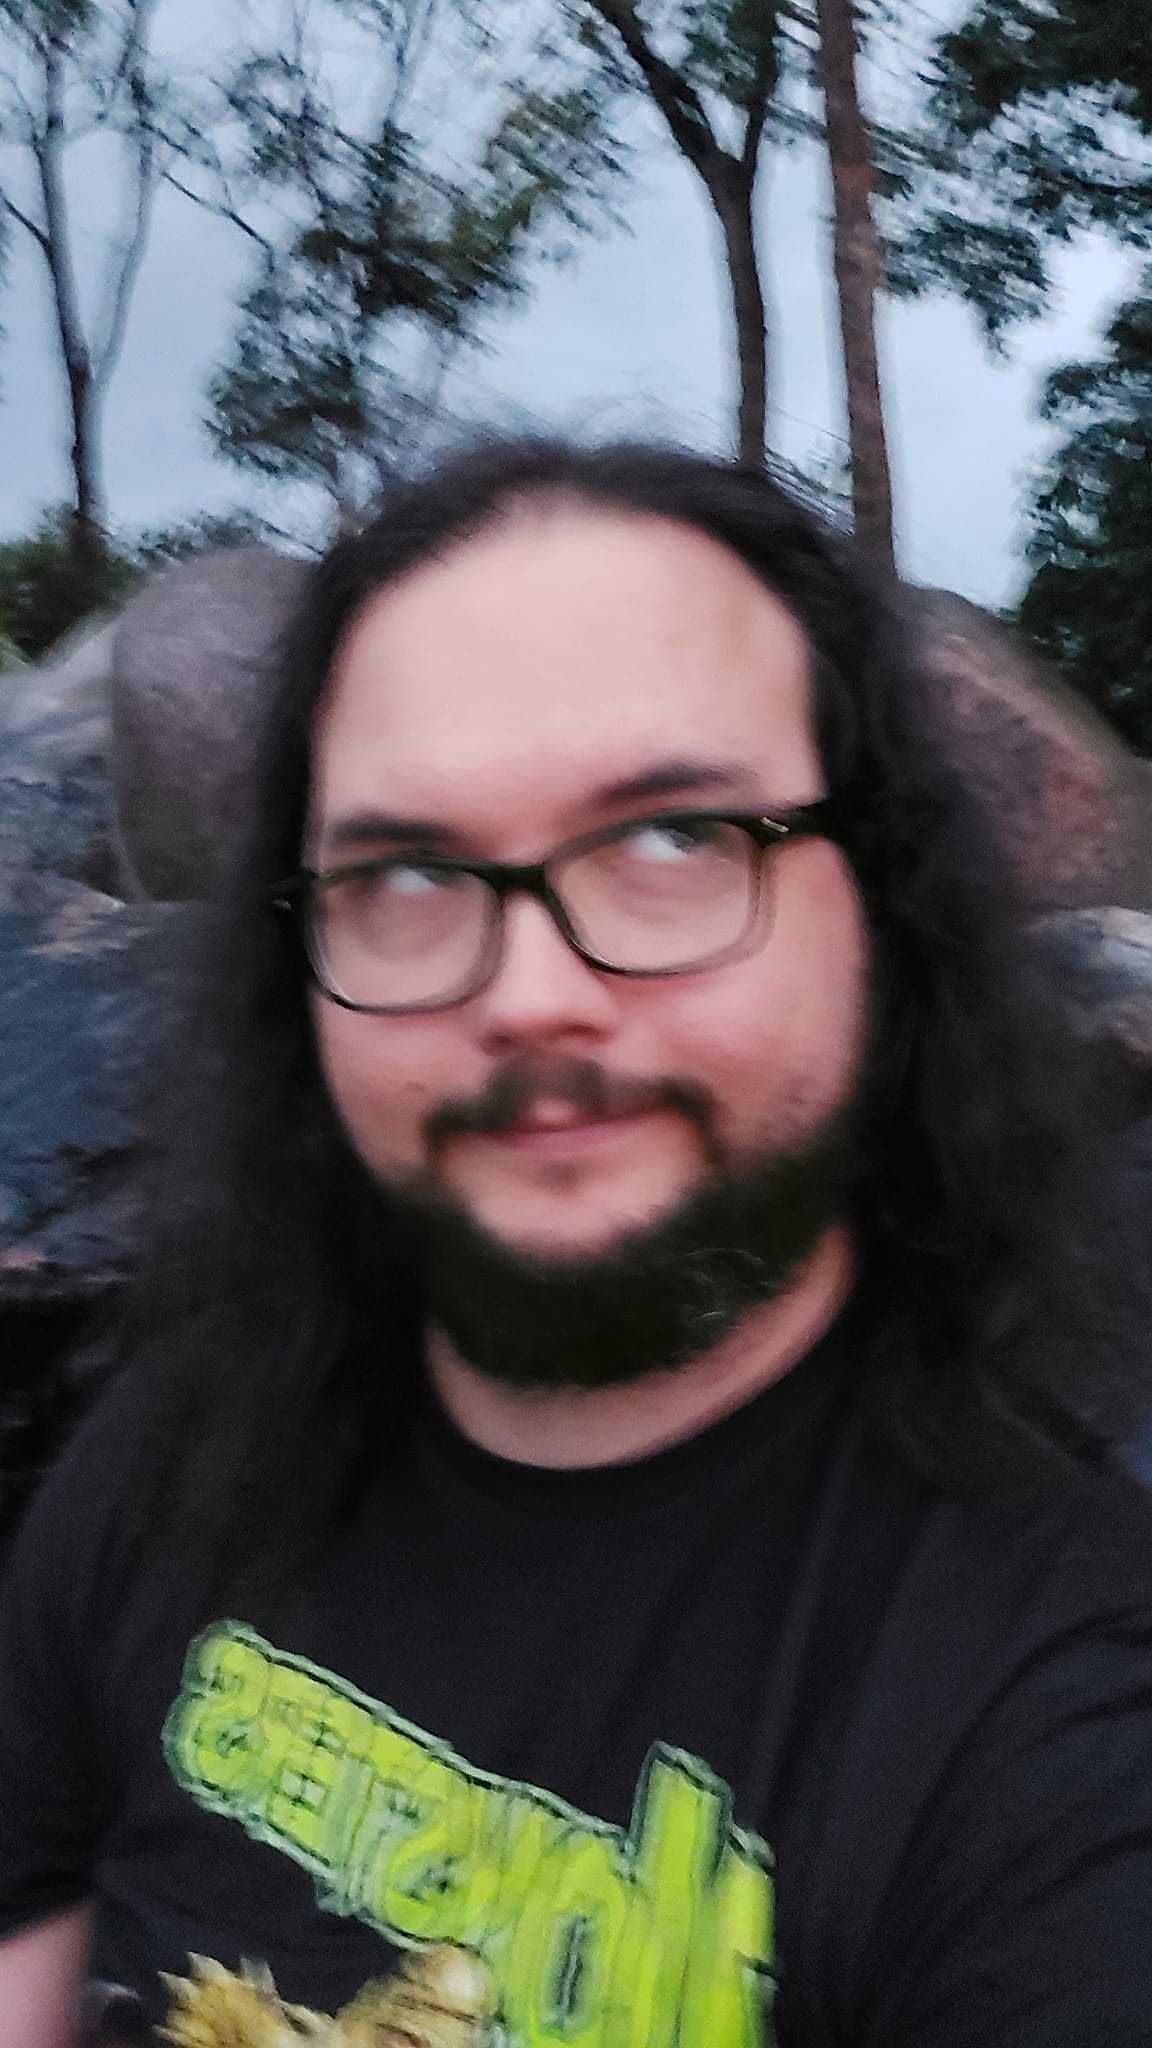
56, 247
732, 197
730, 183
859, 270
88, 502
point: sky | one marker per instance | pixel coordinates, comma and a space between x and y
630, 335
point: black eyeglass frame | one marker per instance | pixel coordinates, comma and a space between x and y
292, 898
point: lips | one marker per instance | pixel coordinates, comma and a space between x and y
557, 1133
560, 1102
560, 1116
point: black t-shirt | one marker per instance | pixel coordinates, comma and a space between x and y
758, 1740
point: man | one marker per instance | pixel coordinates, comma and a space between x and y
607, 1531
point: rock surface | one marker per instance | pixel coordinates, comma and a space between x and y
190, 660
1075, 806
85, 991
1109, 959
55, 782
140, 722
139, 726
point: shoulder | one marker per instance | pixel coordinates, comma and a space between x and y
1031, 1852
998, 1605
67, 1543
1053, 1591
1074, 1546
1003, 1586
63, 1624
980, 1584
986, 1823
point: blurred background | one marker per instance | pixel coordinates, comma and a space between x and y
258, 256
261, 258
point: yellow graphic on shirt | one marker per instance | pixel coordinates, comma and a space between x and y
655, 1936
441, 1997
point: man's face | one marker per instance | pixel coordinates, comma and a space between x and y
565, 670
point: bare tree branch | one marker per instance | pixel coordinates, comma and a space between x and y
130, 77
20, 107
729, 180
410, 48
764, 83
25, 220
134, 51
681, 106
88, 72
106, 351
128, 69
222, 209
300, 13
48, 149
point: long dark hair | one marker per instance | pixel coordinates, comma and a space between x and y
271, 1340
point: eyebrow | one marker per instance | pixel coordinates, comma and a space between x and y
362, 828
676, 778
671, 778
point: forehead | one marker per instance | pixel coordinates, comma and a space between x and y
558, 652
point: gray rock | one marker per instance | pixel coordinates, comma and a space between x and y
1075, 807
61, 710
85, 992
191, 656
86, 989
1108, 956
56, 825
156, 709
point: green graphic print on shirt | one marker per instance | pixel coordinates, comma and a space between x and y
658, 1936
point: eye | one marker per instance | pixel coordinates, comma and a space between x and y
673, 840
409, 878
396, 888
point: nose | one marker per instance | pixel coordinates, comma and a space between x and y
542, 992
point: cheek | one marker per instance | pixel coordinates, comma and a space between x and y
778, 1039
382, 1077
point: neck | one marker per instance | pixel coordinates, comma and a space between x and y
565, 1428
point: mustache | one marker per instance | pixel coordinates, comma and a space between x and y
587, 1088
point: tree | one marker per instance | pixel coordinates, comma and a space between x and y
389, 252
1035, 129
47, 586
390, 255
715, 71
859, 269
1089, 603
71, 70
1038, 129
729, 79
46, 589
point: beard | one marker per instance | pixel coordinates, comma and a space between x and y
660, 1298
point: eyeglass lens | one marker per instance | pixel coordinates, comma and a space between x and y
659, 898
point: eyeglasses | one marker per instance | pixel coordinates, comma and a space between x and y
666, 894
